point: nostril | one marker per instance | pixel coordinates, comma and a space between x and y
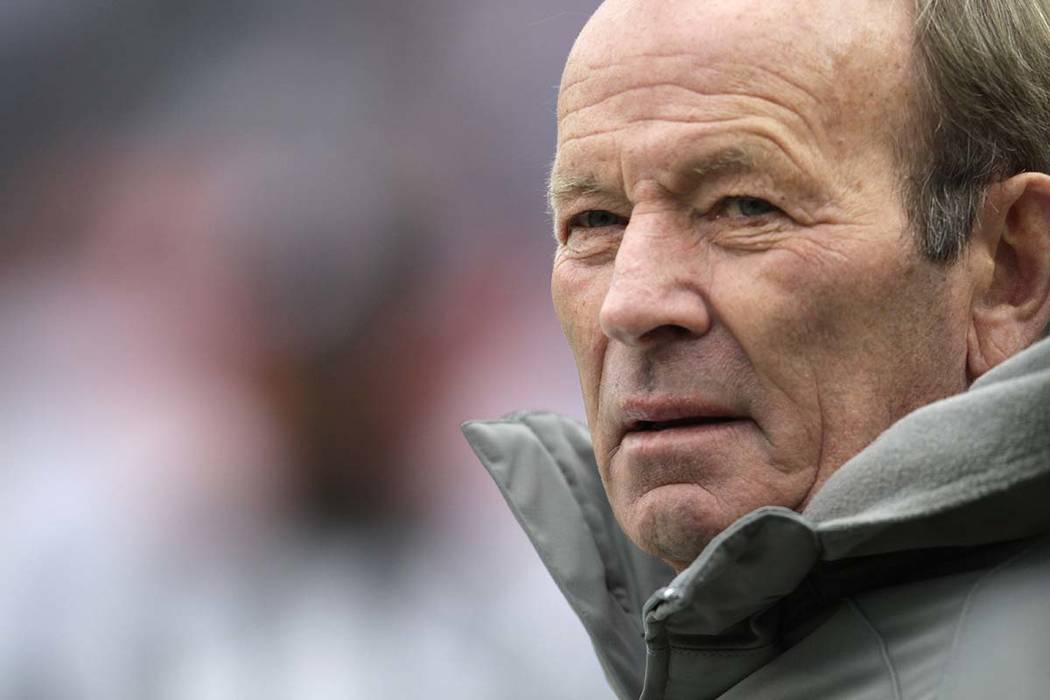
667, 332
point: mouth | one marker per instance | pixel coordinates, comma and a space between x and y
673, 435
646, 426
660, 421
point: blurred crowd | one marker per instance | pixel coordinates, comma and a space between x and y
258, 260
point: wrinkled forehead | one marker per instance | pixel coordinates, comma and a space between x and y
843, 54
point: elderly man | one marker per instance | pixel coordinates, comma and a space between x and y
803, 263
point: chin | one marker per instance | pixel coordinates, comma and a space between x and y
676, 522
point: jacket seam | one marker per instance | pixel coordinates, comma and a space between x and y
883, 650
968, 605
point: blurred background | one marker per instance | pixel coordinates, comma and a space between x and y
258, 260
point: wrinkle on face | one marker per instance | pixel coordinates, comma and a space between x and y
821, 248
697, 82
690, 150
711, 112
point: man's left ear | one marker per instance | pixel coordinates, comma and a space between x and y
1010, 259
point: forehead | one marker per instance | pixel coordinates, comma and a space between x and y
822, 67
825, 38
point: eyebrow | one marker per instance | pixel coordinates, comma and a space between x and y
566, 187
563, 188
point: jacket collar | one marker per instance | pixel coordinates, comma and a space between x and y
970, 470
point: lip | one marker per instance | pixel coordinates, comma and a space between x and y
652, 418
682, 435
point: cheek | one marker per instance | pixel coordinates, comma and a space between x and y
772, 309
803, 323
812, 306
577, 292
843, 345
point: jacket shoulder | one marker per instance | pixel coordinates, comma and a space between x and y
979, 633
1001, 646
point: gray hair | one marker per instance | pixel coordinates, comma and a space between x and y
983, 106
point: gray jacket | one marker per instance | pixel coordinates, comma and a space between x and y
920, 570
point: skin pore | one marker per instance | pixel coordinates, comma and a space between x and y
735, 274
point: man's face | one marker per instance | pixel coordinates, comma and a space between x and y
734, 273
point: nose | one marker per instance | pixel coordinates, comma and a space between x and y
655, 291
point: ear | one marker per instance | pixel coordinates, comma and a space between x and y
1009, 259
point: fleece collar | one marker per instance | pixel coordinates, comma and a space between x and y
973, 469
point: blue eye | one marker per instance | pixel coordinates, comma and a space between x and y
595, 218
747, 207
